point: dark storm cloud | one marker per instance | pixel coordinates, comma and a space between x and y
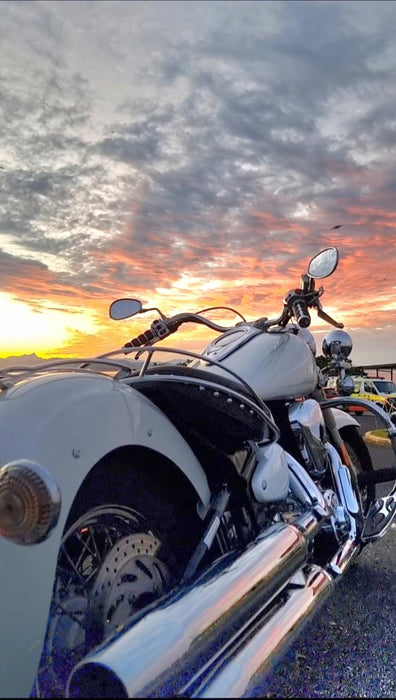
141, 142
225, 111
31, 200
294, 72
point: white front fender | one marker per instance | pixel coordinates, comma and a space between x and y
342, 418
66, 423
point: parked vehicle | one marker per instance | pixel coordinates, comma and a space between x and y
381, 391
384, 387
167, 529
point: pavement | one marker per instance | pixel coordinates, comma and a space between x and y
347, 650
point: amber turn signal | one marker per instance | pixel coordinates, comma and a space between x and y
29, 502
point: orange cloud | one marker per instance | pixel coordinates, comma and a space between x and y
195, 272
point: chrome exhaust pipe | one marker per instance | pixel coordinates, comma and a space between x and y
233, 679
344, 557
164, 649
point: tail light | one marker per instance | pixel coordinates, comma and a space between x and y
29, 502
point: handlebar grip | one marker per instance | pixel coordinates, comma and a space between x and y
301, 313
141, 339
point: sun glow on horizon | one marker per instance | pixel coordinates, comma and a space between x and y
41, 330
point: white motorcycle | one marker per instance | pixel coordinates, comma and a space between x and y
167, 528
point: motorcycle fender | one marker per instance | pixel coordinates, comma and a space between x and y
66, 424
342, 418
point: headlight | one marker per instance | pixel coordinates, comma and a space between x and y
29, 502
337, 343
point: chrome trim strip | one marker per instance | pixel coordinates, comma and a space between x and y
12, 375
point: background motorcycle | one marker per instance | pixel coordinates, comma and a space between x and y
180, 522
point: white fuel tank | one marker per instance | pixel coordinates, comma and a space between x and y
277, 365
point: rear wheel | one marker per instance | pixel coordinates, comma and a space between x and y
114, 560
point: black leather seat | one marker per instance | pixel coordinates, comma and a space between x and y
220, 409
205, 375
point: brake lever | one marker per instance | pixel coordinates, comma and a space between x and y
323, 315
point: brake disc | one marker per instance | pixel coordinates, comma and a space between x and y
130, 577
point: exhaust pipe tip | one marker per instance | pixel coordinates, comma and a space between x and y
93, 680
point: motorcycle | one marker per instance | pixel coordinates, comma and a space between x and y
168, 526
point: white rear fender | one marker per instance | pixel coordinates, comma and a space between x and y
66, 423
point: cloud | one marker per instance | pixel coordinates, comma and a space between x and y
145, 144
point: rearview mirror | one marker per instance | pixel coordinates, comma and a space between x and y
324, 263
124, 308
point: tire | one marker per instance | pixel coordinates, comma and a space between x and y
361, 462
115, 559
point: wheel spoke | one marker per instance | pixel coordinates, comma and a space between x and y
86, 604
110, 542
86, 544
86, 550
95, 546
73, 566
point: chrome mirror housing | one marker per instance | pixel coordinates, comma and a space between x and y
337, 344
124, 308
324, 263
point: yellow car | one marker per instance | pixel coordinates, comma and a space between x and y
366, 388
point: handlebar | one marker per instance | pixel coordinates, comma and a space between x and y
162, 327
301, 313
141, 339
296, 303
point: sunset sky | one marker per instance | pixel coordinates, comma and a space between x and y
192, 154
